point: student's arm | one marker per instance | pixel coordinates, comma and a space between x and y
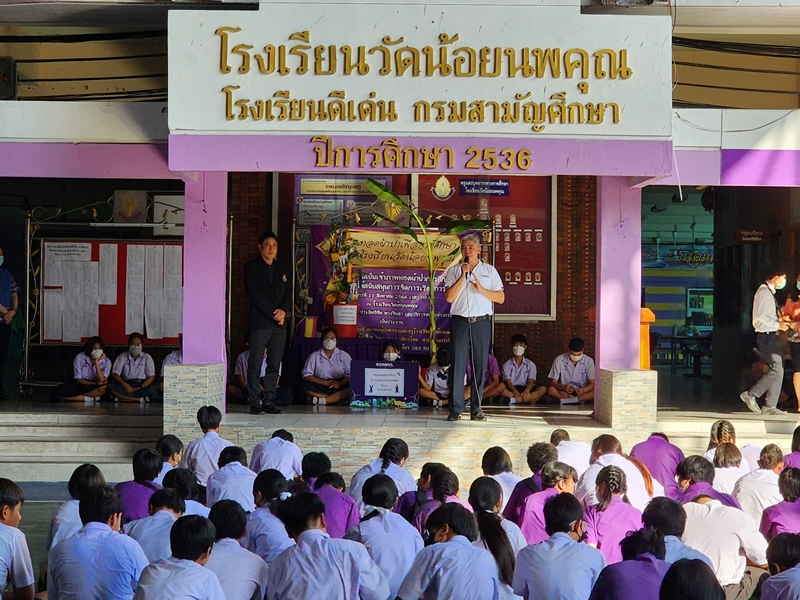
26, 593
372, 583
148, 381
98, 369
585, 390
529, 385
239, 382
559, 386
418, 579
423, 384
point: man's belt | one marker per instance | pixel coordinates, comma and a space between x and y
475, 319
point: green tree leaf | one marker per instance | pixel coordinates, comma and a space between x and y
460, 226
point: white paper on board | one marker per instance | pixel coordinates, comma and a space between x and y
152, 315
56, 253
108, 274
134, 290
52, 313
154, 269
90, 300
172, 308
173, 267
72, 314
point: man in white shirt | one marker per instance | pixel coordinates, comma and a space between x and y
184, 575
759, 489
202, 455
279, 453
166, 506
729, 538
242, 574
97, 562
233, 481
572, 375
472, 289
575, 454
767, 321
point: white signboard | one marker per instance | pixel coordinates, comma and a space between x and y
384, 382
433, 70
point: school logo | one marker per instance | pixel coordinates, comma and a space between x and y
284, 278
442, 191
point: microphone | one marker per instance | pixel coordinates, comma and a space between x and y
466, 262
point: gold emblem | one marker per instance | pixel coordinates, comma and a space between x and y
284, 278
443, 190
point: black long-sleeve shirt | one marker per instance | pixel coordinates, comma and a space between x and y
268, 288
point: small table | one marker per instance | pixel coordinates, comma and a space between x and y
703, 349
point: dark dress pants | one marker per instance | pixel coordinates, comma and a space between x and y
468, 340
273, 339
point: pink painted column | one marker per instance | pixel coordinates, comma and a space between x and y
619, 273
204, 268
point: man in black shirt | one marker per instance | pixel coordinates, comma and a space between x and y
269, 291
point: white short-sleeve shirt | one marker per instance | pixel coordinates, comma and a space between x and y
470, 302
567, 372
15, 560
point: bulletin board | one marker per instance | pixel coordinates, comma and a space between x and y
113, 289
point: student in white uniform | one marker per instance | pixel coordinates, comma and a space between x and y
185, 483
66, 520
152, 533
330, 568
572, 375
15, 559
170, 447
727, 468
202, 455
233, 481
722, 431
97, 562
390, 540
576, 454
390, 461
279, 452
759, 489
266, 535
783, 557
242, 574
496, 463
184, 574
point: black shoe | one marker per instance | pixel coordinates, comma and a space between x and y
270, 409
256, 409
478, 416
454, 417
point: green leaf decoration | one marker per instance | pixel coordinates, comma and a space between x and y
460, 226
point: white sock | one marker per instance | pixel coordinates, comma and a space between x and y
512, 400
88, 399
322, 401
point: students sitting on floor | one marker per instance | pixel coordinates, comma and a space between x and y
133, 374
319, 566
783, 556
572, 375
136, 494
390, 350
538, 455
519, 375
279, 452
696, 477
341, 511
662, 459
327, 372
96, 562
576, 454
242, 574
557, 478
727, 468
15, 559
237, 386
496, 463
90, 370
171, 450
668, 518
390, 461
445, 491
435, 385
493, 386
233, 481
410, 503
173, 358
722, 432
183, 575
202, 455
166, 506
266, 536
690, 579
66, 520
184, 482
784, 517
758, 490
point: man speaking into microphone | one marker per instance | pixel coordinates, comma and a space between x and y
472, 288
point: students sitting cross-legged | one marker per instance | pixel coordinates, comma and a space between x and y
519, 375
66, 520
15, 559
668, 518
452, 568
784, 517
690, 579
390, 461
390, 540
496, 463
576, 454
279, 452
202, 455
696, 478
758, 490
133, 374
560, 568
152, 533
266, 536
557, 478
184, 482
341, 512
727, 467
90, 370
136, 494
233, 481
538, 455
410, 503
97, 562
184, 574
242, 574
662, 459
170, 447
327, 372
783, 557
445, 490
320, 566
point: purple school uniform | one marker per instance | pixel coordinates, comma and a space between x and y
492, 369
607, 528
662, 459
134, 497
407, 504
637, 579
792, 460
704, 488
83, 367
532, 518
784, 517
516, 502
341, 511
422, 517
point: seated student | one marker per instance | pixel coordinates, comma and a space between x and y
639, 575
237, 387
452, 568
133, 374
202, 455
608, 522
242, 574
135, 494
313, 465
493, 386
783, 556
390, 351
266, 536
233, 481
184, 482
793, 459
696, 477
784, 517
538, 455
279, 452
330, 568
690, 579
731, 540
66, 520
722, 432
173, 358
390, 461
341, 511
166, 506
727, 468
434, 386
445, 491
758, 490
183, 575
559, 568
90, 370
410, 503
575, 454
96, 562
557, 478
668, 518
15, 559
662, 459
327, 372
171, 450
496, 463
390, 540
519, 375
572, 375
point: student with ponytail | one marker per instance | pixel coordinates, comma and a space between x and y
390, 461
557, 478
445, 490
266, 535
410, 503
723, 432
613, 517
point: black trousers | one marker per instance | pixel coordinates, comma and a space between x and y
273, 339
468, 340
5, 342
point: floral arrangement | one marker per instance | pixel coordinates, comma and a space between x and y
343, 279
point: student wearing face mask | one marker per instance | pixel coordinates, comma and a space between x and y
768, 321
327, 372
572, 375
390, 351
133, 374
90, 370
434, 385
519, 375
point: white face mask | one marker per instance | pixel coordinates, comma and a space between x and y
390, 356
97, 353
135, 350
518, 350
575, 357
329, 344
